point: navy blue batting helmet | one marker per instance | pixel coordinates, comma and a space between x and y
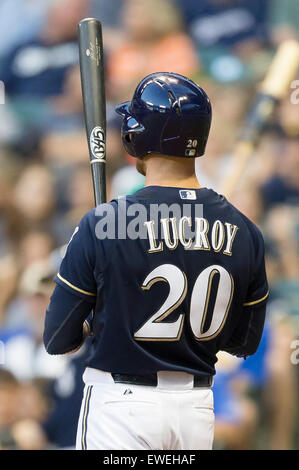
169, 115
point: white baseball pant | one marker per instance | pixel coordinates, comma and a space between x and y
171, 416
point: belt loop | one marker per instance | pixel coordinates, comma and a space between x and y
175, 380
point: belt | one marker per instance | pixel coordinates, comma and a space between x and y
152, 380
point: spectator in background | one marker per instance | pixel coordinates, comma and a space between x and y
251, 409
281, 229
40, 413
228, 35
33, 406
29, 202
110, 14
43, 195
61, 423
126, 181
33, 246
27, 18
50, 388
283, 186
34, 195
225, 23
235, 413
79, 193
281, 392
9, 396
284, 19
26, 222
248, 200
229, 103
288, 111
38, 67
35, 202
154, 41
9, 174
35, 72
25, 354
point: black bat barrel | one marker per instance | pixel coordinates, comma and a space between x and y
94, 100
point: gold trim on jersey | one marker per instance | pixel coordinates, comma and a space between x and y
74, 287
256, 301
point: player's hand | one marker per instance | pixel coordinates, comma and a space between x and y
86, 330
86, 333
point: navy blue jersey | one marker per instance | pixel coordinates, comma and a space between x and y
169, 273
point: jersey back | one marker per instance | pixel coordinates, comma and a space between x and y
168, 272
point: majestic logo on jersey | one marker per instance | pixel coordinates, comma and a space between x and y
188, 194
97, 143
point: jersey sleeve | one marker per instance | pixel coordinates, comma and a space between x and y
63, 331
76, 272
247, 335
258, 290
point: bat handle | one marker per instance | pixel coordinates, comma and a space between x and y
99, 180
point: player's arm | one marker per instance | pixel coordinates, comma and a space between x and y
75, 294
247, 335
66, 326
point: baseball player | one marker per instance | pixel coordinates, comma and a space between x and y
173, 274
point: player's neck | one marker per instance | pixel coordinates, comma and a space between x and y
171, 171
190, 183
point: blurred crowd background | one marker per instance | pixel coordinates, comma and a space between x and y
45, 187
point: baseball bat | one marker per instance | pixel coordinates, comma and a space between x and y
94, 101
273, 88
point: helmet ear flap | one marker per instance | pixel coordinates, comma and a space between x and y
129, 142
128, 137
131, 132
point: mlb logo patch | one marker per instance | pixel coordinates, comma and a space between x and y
188, 194
190, 153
